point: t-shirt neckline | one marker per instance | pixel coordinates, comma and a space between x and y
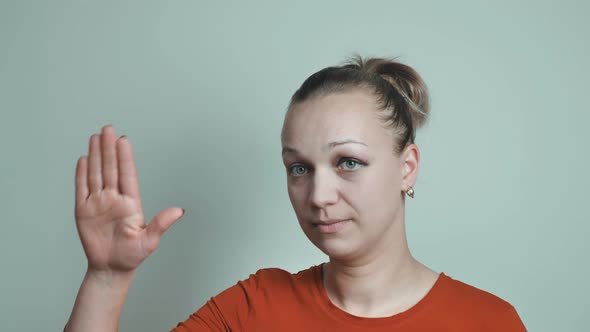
343, 316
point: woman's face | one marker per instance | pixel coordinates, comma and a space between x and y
341, 166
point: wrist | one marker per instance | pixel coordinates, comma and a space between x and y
110, 279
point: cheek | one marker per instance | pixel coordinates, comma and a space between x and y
298, 199
379, 193
297, 196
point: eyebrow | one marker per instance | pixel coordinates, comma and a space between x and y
331, 145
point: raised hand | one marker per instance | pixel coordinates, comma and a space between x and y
109, 217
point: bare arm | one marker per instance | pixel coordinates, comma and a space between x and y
99, 302
111, 227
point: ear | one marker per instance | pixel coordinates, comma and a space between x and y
410, 162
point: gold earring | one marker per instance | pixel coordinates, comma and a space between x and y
410, 192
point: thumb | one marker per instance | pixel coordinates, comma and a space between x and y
160, 224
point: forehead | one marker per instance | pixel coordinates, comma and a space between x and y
344, 115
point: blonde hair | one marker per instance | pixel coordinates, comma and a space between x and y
399, 89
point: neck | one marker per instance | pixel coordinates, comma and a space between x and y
382, 284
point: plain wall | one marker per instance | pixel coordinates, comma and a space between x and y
200, 88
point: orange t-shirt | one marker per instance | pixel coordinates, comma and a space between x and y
276, 300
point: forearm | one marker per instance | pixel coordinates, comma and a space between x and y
99, 302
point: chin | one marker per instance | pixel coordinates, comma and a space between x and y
335, 248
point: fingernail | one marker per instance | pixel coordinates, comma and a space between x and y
183, 211
122, 136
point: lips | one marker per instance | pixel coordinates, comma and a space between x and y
328, 222
331, 226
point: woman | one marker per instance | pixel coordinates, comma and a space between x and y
351, 161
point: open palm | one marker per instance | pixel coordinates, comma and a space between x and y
108, 210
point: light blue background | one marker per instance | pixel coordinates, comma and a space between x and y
200, 88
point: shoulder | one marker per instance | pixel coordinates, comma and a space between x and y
275, 284
276, 277
479, 304
268, 287
468, 295
265, 286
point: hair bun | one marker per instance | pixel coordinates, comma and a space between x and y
405, 80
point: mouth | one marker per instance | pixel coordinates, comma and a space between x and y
331, 226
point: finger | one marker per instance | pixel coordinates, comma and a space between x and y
94, 165
81, 179
108, 140
159, 225
128, 183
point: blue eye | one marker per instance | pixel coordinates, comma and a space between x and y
350, 164
297, 170
347, 164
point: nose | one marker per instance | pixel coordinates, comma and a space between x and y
324, 189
